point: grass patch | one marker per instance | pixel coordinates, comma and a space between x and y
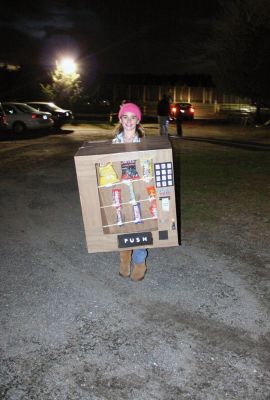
220, 183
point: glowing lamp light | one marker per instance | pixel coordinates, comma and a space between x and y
68, 66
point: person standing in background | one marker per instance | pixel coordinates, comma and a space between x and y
163, 112
178, 120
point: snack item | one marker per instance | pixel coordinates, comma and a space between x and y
117, 199
151, 190
107, 175
131, 193
137, 214
129, 170
117, 202
153, 209
147, 168
119, 217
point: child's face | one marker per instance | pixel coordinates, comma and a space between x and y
129, 121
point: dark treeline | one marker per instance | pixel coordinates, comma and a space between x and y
21, 83
151, 79
24, 83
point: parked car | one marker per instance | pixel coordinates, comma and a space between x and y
21, 117
186, 109
60, 116
3, 118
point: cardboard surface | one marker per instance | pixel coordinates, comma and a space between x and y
138, 209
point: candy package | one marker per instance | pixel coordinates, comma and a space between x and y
137, 214
117, 198
117, 202
151, 190
129, 170
107, 175
131, 193
147, 169
153, 209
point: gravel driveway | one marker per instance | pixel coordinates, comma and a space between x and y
197, 327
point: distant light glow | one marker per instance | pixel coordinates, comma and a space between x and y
68, 65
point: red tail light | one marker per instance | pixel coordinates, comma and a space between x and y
34, 116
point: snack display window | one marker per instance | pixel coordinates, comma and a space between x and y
127, 194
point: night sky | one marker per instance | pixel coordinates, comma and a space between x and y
110, 36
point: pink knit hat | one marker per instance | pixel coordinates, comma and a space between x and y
130, 107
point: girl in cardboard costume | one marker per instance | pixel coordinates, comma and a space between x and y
129, 130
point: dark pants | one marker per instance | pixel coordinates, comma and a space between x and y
178, 123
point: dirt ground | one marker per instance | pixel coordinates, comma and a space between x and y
197, 327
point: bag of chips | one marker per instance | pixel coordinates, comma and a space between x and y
129, 170
107, 175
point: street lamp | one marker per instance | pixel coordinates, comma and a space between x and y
68, 66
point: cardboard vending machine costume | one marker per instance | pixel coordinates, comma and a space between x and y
127, 194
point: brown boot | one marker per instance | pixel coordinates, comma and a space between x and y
138, 272
125, 260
